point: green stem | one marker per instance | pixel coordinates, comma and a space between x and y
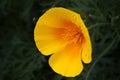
99, 57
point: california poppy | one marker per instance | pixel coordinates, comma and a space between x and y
61, 33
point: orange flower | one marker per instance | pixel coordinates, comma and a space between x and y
61, 33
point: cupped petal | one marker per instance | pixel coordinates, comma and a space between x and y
67, 62
51, 29
55, 17
87, 50
46, 41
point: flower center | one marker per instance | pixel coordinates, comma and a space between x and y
69, 32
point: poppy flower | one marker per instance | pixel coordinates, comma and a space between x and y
61, 33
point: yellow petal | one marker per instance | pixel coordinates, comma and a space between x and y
45, 40
87, 50
67, 62
55, 16
51, 29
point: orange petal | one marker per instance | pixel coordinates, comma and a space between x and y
45, 40
55, 16
67, 62
87, 50
51, 28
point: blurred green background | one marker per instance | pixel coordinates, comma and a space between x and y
19, 57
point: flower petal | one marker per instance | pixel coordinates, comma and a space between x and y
87, 50
67, 62
51, 28
45, 40
55, 16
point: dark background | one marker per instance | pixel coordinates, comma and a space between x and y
19, 57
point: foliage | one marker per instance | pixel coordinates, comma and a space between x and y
19, 58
